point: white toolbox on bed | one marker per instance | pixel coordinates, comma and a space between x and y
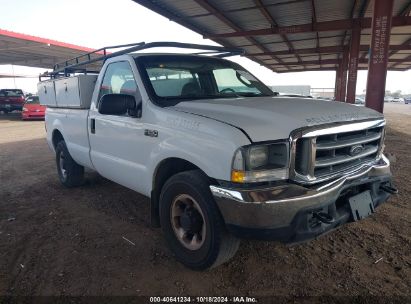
47, 93
67, 92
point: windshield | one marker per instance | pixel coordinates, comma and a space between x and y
174, 78
11, 92
33, 100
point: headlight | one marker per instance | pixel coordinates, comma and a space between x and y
257, 157
260, 163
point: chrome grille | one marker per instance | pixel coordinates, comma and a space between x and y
324, 155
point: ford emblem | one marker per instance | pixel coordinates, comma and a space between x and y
356, 149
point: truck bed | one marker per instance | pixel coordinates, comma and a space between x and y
73, 125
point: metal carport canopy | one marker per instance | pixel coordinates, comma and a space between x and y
292, 35
26, 50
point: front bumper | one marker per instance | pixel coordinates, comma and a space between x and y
11, 107
33, 115
287, 212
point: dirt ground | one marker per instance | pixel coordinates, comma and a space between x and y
55, 241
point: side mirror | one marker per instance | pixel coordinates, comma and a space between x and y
117, 104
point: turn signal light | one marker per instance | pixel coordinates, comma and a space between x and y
237, 176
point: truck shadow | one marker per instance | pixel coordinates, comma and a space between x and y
115, 200
40, 182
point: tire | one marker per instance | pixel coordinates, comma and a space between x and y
70, 173
189, 191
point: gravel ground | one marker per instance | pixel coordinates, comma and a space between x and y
55, 241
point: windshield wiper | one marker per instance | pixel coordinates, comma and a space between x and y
231, 94
212, 96
251, 94
191, 97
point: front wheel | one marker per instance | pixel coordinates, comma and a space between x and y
70, 173
192, 224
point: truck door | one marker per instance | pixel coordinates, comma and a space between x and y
115, 139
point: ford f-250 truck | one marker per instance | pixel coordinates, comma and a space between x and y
219, 156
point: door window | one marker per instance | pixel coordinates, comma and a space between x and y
119, 79
174, 82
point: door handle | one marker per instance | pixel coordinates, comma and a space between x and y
92, 126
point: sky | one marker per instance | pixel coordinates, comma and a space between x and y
99, 23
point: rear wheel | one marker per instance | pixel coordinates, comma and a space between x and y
70, 173
192, 224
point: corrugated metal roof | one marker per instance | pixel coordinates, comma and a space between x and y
27, 50
289, 49
294, 13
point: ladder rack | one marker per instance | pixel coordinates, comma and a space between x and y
77, 64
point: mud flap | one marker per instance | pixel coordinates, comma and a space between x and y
361, 205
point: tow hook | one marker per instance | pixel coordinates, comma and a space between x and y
323, 217
389, 189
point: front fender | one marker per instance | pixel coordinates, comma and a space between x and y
210, 145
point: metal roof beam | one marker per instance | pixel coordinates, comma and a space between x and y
172, 16
292, 40
30, 62
309, 70
407, 59
335, 61
326, 26
207, 6
273, 43
271, 20
406, 10
329, 49
406, 44
353, 9
314, 20
364, 8
333, 69
241, 9
324, 49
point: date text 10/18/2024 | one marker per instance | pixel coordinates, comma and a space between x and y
234, 299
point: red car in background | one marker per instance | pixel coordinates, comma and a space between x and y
32, 109
11, 100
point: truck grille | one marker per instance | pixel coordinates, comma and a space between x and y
329, 154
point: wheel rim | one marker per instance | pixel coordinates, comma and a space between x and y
187, 220
63, 170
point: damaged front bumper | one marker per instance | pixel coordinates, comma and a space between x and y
294, 213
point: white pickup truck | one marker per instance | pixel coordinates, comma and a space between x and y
218, 154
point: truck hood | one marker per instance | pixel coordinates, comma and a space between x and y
269, 118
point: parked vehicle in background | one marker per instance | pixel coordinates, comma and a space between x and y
388, 99
11, 100
398, 99
407, 100
219, 156
32, 109
359, 100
